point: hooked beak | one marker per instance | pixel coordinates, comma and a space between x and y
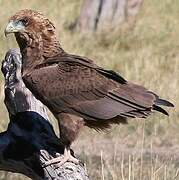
13, 27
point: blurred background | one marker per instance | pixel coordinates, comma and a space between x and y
138, 39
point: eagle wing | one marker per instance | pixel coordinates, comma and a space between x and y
75, 85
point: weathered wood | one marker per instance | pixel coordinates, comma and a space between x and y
107, 14
30, 139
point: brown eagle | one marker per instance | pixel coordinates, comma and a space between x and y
77, 91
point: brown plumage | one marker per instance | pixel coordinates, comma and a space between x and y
77, 91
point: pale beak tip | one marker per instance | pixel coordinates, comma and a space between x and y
9, 28
6, 32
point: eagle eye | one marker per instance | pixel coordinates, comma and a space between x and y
24, 21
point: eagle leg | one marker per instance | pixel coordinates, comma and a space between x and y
70, 126
67, 157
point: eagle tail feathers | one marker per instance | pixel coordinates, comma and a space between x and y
163, 102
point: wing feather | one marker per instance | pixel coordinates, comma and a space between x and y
76, 85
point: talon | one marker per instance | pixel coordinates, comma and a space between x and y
61, 160
58, 154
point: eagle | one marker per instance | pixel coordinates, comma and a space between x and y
76, 90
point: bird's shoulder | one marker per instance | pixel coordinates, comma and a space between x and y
71, 62
67, 75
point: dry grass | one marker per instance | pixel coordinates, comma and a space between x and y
147, 54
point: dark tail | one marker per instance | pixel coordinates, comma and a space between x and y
161, 102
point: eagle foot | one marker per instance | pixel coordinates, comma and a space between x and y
67, 157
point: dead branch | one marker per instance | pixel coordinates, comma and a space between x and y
30, 140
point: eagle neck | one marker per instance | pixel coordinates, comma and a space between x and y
36, 50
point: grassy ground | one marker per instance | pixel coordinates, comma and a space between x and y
149, 55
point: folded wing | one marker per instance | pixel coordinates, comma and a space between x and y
75, 85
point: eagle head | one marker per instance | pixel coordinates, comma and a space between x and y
28, 25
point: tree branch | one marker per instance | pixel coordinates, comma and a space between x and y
30, 139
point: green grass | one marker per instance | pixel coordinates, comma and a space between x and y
147, 54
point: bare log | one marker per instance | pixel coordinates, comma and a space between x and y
30, 139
